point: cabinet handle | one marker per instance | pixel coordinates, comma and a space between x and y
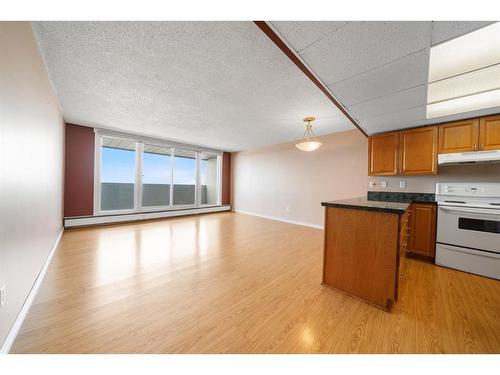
481, 146
475, 147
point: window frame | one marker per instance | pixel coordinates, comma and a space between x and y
218, 177
139, 141
155, 208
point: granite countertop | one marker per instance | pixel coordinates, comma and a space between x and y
362, 203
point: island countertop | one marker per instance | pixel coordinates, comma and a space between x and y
363, 203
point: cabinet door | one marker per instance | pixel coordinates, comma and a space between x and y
459, 136
383, 154
418, 151
489, 133
423, 229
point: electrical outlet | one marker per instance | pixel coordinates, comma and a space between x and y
402, 184
371, 184
383, 184
288, 209
2, 295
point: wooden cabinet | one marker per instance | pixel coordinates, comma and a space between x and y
409, 152
422, 229
418, 151
489, 133
383, 154
414, 151
459, 136
471, 135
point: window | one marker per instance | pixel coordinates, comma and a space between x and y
141, 176
184, 177
156, 176
209, 178
117, 174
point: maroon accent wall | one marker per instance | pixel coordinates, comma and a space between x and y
79, 171
226, 178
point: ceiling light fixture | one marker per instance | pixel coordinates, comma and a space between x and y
310, 143
464, 73
467, 103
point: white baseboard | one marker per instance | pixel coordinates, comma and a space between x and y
11, 337
280, 219
109, 219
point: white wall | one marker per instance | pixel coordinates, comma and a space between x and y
31, 167
268, 180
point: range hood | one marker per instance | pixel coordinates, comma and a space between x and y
469, 157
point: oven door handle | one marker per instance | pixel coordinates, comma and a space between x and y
480, 211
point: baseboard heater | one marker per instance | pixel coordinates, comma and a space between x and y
83, 221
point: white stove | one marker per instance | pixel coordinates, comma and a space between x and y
468, 228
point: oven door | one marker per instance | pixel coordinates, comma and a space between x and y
475, 228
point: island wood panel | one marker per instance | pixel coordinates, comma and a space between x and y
459, 136
235, 283
383, 154
489, 133
418, 151
360, 253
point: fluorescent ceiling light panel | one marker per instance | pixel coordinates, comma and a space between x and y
469, 103
482, 80
469, 52
464, 73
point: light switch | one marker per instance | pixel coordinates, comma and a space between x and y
383, 184
402, 184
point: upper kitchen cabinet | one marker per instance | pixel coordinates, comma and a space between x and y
409, 152
418, 151
489, 133
459, 136
383, 154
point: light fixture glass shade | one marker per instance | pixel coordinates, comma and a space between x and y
308, 145
310, 142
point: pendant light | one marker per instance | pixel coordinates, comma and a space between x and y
310, 142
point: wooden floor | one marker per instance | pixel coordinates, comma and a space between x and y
233, 283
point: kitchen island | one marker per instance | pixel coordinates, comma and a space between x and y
362, 245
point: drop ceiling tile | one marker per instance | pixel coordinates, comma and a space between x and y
446, 30
396, 120
300, 34
362, 46
395, 102
405, 73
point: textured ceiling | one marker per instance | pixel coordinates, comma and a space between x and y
377, 70
223, 85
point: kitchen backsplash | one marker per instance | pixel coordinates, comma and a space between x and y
405, 197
